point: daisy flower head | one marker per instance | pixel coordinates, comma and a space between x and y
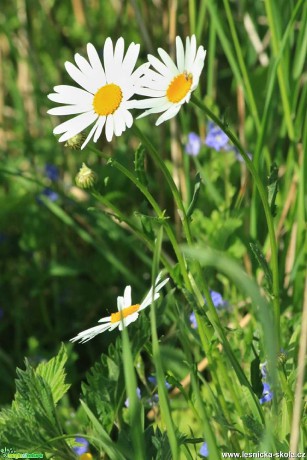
104, 98
126, 314
170, 85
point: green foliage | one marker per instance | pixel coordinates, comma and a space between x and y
32, 421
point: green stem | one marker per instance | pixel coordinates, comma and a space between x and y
265, 203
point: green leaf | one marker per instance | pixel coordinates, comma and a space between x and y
262, 263
195, 195
273, 188
139, 165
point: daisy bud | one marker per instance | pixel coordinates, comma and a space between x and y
85, 178
75, 142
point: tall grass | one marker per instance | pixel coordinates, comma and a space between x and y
211, 222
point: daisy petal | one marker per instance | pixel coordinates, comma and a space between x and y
170, 113
79, 77
83, 65
108, 59
96, 63
127, 296
168, 61
130, 59
100, 125
159, 66
109, 128
69, 109
66, 94
75, 127
180, 54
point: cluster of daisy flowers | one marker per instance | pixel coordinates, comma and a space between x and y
105, 96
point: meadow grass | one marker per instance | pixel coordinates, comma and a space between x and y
215, 365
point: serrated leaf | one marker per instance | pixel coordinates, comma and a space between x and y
262, 263
273, 188
54, 374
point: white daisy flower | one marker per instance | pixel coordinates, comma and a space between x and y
126, 314
105, 99
170, 85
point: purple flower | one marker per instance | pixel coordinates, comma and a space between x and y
216, 138
193, 144
138, 393
52, 172
79, 450
204, 450
193, 320
49, 193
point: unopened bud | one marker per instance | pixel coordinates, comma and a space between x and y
86, 178
76, 141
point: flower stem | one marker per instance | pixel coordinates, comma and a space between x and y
263, 196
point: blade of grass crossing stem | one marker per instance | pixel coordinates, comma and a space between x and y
136, 414
163, 396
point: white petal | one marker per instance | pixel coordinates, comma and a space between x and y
149, 297
139, 72
90, 135
158, 109
187, 52
119, 52
149, 103
79, 77
108, 59
191, 56
75, 125
96, 63
180, 54
70, 109
83, 65
130, 59
109, 128
168, 61
100, 125
170, 113
127, 296
120, 299
70, 95
150, 92
128, 320
89, 334
159, 66
128, 118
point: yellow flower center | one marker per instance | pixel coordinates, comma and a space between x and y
86, 456
107, 99
179, 87
115, 317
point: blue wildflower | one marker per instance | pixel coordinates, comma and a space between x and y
49, 193
240, 158
267, 394
204, 450
218, 302
216, 138
79, 450
138, 393
52, 172
152, 379
193, 144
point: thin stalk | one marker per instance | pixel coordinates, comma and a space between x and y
266, 207
280, 72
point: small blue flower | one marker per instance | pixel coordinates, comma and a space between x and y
216, 138
79, 450
217, 299
267, 394
204, 450
52, 172
239, 156
49, 193
193, 320
138, 393
152, 379
193, 144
